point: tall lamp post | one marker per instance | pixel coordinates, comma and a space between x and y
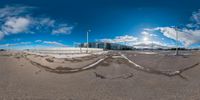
88, 39
152, 42
176, 53
152, 45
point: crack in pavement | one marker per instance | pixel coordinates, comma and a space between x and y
65, 70
165, 73
123, 76
96, 63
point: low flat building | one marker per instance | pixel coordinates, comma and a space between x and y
106, 46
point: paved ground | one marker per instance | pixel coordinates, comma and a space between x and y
113, 79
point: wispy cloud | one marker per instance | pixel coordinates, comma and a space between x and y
63, 29
145, 33
17, 10
54, 43
37, 43
151, 44
138, 42
120, 39
15, 44
185, 36
15, 25
19, 19
196, 17
188, 35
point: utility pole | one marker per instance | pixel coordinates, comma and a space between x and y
151, 45
176, 53
87, 40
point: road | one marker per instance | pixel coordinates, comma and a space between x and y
113, 79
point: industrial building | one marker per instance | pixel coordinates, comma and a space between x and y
106, 46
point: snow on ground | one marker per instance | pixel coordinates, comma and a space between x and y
66, 52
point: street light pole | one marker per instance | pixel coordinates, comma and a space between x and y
87, 42
176, 53
152, 45
88, 39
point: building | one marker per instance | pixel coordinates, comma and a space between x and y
106, 46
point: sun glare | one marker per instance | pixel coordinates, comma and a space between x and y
145, 39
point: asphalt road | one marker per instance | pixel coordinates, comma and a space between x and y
113, 79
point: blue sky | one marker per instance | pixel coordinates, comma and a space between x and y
60, 23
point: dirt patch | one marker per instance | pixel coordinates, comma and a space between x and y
105, 64
123, 76
17, 57
121, 61
6, 55
99, 76
72, 60
49, 60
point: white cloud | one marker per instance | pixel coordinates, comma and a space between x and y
51, 43
47, 21
144, 33
11, 11
62, 30
125, 38
1, 35
186, 36
137, 43
147, 42
38, 41
150, 44
55, 43
16, 25
14, 44
19, 19
153, 35
196, 17
120, 39
107, 40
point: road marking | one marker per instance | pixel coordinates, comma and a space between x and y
94, 64
138, 66
65, 71
117, 57
169, 74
